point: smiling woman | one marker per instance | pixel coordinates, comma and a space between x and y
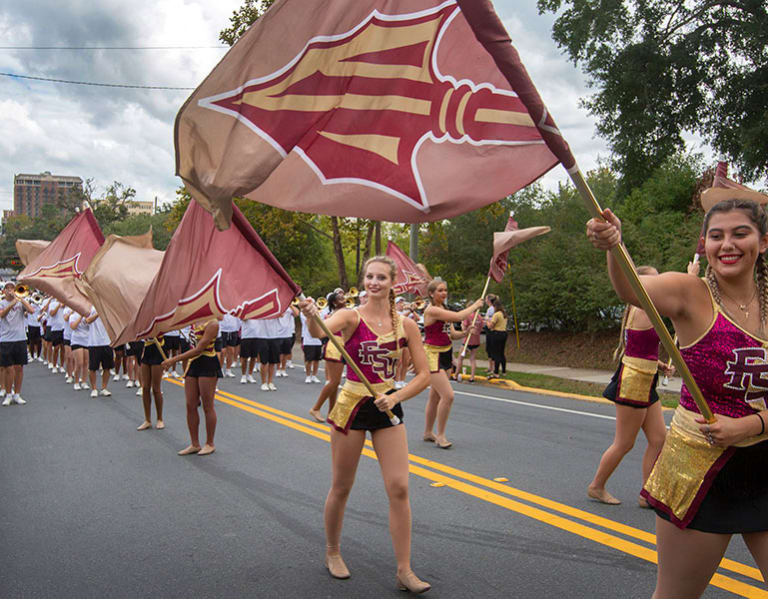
703, 486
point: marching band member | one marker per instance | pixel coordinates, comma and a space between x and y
404, 311
99, 354
56, 321
34, 339
708, 482
438, 337
69, 359
172, 347
132, 355
13, 342
313, 350
151, 371
228, 328
496, 338
372, 327
287, 331
633, 390
334, 365
46, 330
200, 384
249, 349
79, 346
489, 299
269, 351
120, 362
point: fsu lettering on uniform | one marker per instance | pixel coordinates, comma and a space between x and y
750, 363
380, 357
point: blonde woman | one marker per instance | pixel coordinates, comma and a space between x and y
373, 335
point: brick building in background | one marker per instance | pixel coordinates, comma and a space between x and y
32, 192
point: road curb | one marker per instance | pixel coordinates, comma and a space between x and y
509, 384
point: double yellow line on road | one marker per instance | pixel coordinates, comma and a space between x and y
506, 497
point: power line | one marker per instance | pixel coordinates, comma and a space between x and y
123, 85
114, 48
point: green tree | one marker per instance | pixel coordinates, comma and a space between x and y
662, 67
242, 18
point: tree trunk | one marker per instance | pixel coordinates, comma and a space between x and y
366, 251
339, 252
378, 238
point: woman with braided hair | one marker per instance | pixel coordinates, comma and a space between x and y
709, 480
438, 338
633, 390
373, 336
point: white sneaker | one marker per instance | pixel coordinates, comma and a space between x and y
116, 377
272, 387
228, 373
7, 400
308, 379
243, 379
105, 393
129, 384
54, 370
315, 379
40, 359
2, 392
125, 377
136, 383
84, 385
175, 375
251, 379
94, 393
111, 371
138, 390
289, 364
50, 365
18, 400
69, 379
265, 387
76, 386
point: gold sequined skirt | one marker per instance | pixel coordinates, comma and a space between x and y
348, 402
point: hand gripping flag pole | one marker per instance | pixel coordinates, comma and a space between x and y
491, 34
349, 361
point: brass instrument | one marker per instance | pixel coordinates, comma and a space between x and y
350, 302
37, 298
350, 297
21, 290
295, 302
321, 302
419, 304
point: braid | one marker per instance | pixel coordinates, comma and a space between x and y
619, 351
762, 286
395, 323
712, 282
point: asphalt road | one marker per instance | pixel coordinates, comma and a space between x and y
92, 508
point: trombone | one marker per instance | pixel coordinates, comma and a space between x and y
350, 297
21, 290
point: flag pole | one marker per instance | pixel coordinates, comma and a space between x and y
474, 318
514, 311
350, 362
625, 263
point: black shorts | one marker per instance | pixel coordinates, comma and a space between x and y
249, 348
285, 345
57, 337
369, 418
151, 355
134, 348
47, 334
183, 345
100, 356
33, 334
218, 344
171, 343
67, 341
312, 353
737, 501
445, 362
74, 347
269, 351
231, 339
13, 353
205, 366
470, 347
119, 348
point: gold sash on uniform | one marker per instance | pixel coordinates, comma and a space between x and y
686, 467
636, 379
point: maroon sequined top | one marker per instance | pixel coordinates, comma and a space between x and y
730, 366
641, 343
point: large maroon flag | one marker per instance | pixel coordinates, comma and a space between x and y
58, 266
384, 109
29, 249
411, 278
206, 273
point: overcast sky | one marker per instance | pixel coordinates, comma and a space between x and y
112, 134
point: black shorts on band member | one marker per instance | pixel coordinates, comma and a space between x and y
13, 353
100, 356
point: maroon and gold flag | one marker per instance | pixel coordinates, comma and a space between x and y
383, 109
206, 273
499, 261
118, 278
58, 266
29, 249
410, 277
724, 188
503, 242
